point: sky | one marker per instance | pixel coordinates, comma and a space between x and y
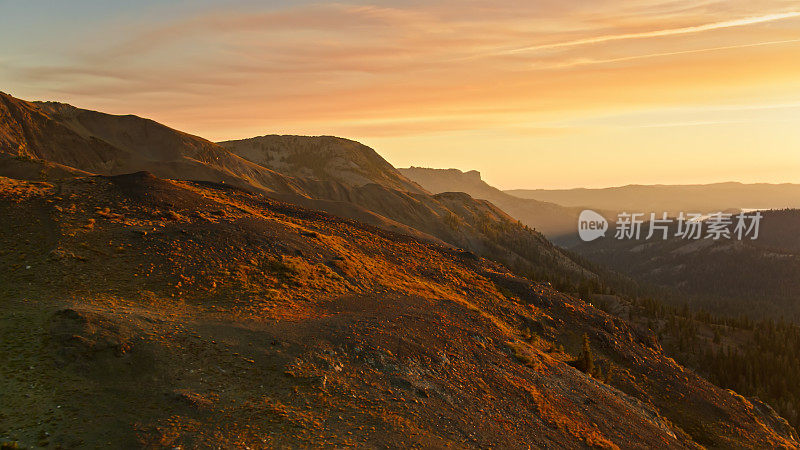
536, 94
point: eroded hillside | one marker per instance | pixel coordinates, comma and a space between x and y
147, 312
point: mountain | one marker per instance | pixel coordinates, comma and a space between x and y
758, 278
102, 143
234, 313
323, 158
144, 312
330, 174
556, 222
376, 185
700, 198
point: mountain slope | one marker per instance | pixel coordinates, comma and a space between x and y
758, 278
106, 144
704, 198
149, 312
372, 183
323, 158
554, 221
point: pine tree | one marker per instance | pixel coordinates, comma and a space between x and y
587, 359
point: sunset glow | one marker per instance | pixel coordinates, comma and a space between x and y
536, 94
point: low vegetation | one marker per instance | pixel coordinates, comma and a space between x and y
756, 358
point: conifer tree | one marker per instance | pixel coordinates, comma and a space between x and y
587, 359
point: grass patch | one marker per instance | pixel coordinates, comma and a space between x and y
521, 354
284, 271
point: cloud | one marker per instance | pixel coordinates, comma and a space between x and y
541, 84
583, 62
385, 68
307, 22
659, 33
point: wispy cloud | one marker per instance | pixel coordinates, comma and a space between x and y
585, 62
659, 33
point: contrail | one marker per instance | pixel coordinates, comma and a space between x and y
657, 55
659, 33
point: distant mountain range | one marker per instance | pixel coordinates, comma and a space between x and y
556, 222
757, 278
701, 198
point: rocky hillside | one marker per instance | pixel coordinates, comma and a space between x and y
556, 222
143, 312
335, 175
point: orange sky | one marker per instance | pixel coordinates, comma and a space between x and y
543, 94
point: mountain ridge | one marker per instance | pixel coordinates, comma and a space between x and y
557, 222
704, 198
378, 195
345, 160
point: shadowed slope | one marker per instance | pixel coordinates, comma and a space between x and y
759, 278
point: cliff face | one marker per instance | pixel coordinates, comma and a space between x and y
556, 222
